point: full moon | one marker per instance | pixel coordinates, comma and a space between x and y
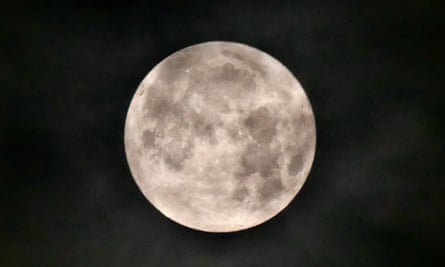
220, 137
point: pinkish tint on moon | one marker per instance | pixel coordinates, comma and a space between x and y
220, 137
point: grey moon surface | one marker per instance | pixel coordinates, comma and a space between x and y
220, 137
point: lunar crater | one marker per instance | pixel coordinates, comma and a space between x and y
232, 81
148, 138
258, 158
295, 164
246, 58
271, 188
261, 125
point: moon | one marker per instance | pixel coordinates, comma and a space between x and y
220, 137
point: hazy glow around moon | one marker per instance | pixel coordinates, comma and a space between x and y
220, 136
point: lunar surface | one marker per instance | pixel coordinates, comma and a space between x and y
220, 137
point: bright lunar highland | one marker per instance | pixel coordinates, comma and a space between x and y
220, 137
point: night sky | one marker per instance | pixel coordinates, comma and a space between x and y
373, 73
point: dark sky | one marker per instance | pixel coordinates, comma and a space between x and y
376, 193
